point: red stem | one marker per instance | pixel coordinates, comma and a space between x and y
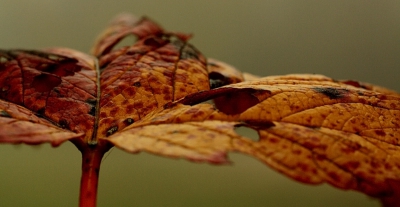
91, 160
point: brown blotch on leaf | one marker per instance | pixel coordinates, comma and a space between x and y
236, 102
332, 93
92, 111
66, 67
169, 105
114, 111
380, 133
350, 146
154, 42
217, 80
334, 176
129, 121
352, 165
63, 123
137, 84
92, 101
45, 82
40, 112
129, 108
112, 130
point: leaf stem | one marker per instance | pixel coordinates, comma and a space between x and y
91, 160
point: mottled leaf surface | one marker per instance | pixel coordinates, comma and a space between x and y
162, 96
138, 79
51, 91
310, 127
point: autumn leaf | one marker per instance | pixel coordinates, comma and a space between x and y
162, 96
46, 97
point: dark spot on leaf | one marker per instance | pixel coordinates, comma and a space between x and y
113, 111
273, 140
92, 101
236, 101
227, 98
63, 123
103, 114
217, 80
332, 93
5, 114
320, 157
45, 82
137, 84
130, 91
130, 108
375, 164
380, 133
388, 166
349, 146
169, 105
334, 176
112, 130
139, 105
129, 121
92, 111
40, 112
66, 67
303, 166
154, 42
57, 91
352, 165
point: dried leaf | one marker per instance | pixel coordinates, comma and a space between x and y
19, 125
155, 95
48, 89
311, 128
146, 76
122, 26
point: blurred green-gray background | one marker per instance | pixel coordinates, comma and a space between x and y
343, 39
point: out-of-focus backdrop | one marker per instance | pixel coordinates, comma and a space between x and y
343, 39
